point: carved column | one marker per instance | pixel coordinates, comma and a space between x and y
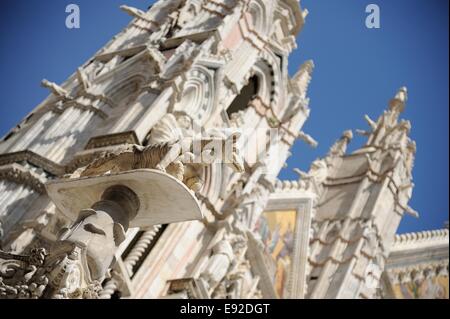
80, 259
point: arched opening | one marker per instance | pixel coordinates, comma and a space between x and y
247, 93
257, 11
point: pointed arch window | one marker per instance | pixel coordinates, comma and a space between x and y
248, 92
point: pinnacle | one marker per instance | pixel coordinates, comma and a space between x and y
399, 101
305, 13
402, 94
348, 134
308, 64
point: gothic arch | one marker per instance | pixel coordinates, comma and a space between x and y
258, 13
265, 73
275, 90
242, 100
197, 98
269, 75
212, 177
122, 89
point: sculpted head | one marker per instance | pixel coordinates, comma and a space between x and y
100, 236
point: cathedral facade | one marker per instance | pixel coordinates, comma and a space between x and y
151, 172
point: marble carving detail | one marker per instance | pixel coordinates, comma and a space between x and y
135, 106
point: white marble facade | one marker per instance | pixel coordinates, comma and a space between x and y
213, 64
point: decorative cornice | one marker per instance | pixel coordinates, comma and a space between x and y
287, 186
213, 11
24, 176
73, 104
112, 139
95, 147
34, 159
417, 256
429, 235
430, 238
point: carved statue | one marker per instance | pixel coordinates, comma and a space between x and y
410, 156
397, 134
99, 234
241, 283
218, 264
83, 79
170, 148
316, 176
319, 171
237, 281
187, 14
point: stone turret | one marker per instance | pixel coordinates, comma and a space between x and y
361, 204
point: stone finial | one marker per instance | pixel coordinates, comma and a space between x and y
305, 13
399, 101
303, 77
347, 135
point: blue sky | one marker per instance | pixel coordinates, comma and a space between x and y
357, 71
